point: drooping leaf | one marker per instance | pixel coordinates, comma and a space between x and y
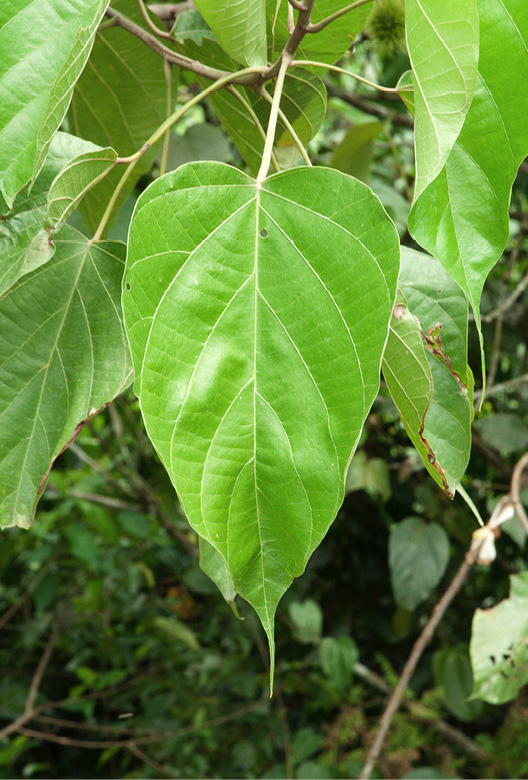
65, 357
354, 153
462, 216
307, 619
452, 671
418, 556
499, 645
505, 432
303, 99
329, 44
257, 318
443, 45
43, 48
240, 26
74, 181
24, 243
118, 102
212, 564
425, 367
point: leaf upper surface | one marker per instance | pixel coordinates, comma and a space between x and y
44, 46
499, 645
257, 319
64, 357
462, 216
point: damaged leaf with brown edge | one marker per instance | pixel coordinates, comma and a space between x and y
425, 367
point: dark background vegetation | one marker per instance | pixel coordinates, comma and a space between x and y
156, 675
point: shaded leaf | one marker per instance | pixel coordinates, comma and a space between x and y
354, 153
37, 75
74, 181
338, 658
462, 216
506, 432
307, 618
177, 630
240, 26
303, 100
329, 44
443, 45
418, 556
499, 645
118, 102
452, 671
24, 243
251, 311
66, 356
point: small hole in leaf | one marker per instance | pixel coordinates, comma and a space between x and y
128, 285
263, 233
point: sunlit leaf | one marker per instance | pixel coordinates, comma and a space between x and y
257, 318
499, 645
462, 216
44, 46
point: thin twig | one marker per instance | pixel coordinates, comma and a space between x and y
421, 713
515, 489
150, 761
287, 124
419, 646
168, 12
508, 303
335, 68
150, 24
510, 384
292, 44
362, 102
39, 673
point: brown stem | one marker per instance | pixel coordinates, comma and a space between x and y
416, 653
169, 55
363, 103
293, 42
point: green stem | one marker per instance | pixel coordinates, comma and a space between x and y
150, 24
315, 28
162, 129
249, 108
272, 124
337, 69
285, 121
167, 67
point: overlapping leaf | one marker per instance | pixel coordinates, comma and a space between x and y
44, 46
24, 243
257, 318
74, 181
118, 102
425, 367
499, 645
462, 216
303, 98
442, 40
63, 355
329, 44
240, 26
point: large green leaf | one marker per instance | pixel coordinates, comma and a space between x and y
303, 98
257, 317
425, 367
24, 243
44, 46
418, 556
462, 216
118, 102
240, 26
329, 44
63, 356
499, 645
74, 181
443, 42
